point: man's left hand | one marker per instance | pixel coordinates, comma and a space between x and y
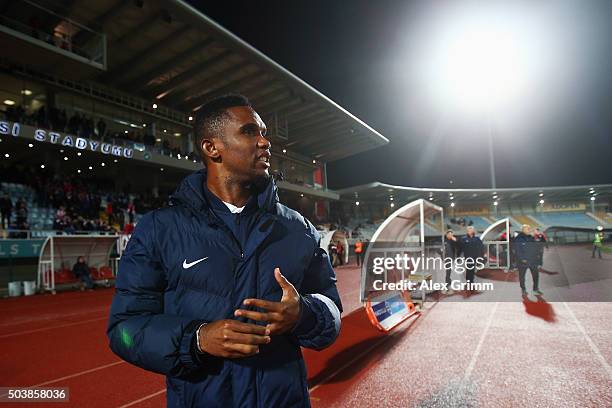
281, 316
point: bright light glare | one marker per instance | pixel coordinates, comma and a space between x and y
485, 59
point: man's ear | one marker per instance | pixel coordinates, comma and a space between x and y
209, 148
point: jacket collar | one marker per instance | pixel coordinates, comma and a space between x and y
191, 193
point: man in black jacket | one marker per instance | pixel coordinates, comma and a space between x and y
527, 258
450, 251
81, 271
472, 249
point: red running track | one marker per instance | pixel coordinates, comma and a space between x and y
498, 354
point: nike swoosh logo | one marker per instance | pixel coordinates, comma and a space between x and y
190, 264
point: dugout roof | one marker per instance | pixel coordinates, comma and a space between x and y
170, 53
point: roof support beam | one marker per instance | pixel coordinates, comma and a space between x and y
180, 96
137, 83
179, 80
115, 74
247, 83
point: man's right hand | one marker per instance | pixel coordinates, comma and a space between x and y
232, 339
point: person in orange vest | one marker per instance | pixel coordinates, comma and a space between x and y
358, 251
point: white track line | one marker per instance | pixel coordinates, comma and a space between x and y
593, 346
4, 336
155, 394
39, 319
67, 377
470, 367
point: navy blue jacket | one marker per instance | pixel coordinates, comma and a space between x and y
527, 249
159, 304
471, 247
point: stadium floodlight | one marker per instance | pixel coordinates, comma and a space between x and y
78, 153
9, 102
90, 168
541, 194
26, 92
7, 155
30, 145
392, 205
482, 58
162, 169
592, 198
79, 171
190, 118
314, 161
452, 204
495, 203
65, 158
301, 195
102, 164
42, 166
177, 134
357, 203
115, 161
284, 150
541, 201
154, 106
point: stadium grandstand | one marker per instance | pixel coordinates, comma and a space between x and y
565, 208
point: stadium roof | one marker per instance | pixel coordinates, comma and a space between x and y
171, 53
381, 192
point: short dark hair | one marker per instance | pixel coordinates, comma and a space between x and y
211, 117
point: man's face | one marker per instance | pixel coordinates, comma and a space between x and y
470, 231
526, 230
244, 149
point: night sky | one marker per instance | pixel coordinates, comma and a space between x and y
368, 57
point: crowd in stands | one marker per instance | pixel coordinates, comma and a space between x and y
461, 221
81, 203
85, 126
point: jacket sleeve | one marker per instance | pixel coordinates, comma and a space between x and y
320, 322
138, 329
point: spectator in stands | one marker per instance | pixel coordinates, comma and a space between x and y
527, 258
101, 128
21, 211
6, 208
450, 251
598, 243
81, 272
471, 247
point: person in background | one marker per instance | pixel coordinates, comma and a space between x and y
340, 249
540, 238
450, 251
81, 271
358, 250
471, 247
597, 243
6, 207
527, 258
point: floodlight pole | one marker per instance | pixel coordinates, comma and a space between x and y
491, 154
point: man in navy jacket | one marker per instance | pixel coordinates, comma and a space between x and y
220, 290
527, 255
472, 249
